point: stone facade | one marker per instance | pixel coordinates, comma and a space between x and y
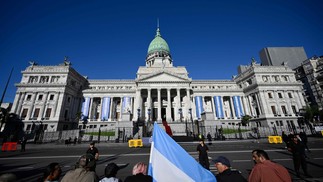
62, 99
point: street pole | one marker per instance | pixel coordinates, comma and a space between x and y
190, 111
5, 89
148, 123
138, 120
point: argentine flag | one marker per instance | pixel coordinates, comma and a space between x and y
170, 162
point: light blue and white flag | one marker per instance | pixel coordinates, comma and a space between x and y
170, 162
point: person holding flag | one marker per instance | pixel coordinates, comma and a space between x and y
170, 162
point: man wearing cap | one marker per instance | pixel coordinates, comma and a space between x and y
225, 174
84, 171
93, 150
266, 170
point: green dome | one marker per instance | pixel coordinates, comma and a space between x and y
158, 44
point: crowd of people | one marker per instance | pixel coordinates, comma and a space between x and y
263, 170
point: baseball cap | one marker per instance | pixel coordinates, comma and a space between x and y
222, 160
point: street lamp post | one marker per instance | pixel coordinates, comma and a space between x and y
138, 120
148, 123
190, 112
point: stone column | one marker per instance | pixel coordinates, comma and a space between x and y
232, 110
42, 111
31, 107
19, 102
224, 116
252, 109
159, 105
44, 106
111, 105
245, 106
149, 104
16, 103
288, 102
178, 104
121, 108
297, 99
279, 110
194, 109
100, 115
169, 106
260, 104
188, 103
137, 104
90, 108
213, 107
56, 104
262, 98
301, 98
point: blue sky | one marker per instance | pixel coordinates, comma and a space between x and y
109, 39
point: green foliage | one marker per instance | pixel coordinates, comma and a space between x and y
231, 130
245, 120
310, 112
103, 133
4, 114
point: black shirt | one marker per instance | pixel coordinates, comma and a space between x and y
230, 176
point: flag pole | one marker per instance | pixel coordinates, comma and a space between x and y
5, 89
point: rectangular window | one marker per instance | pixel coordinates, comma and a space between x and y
24, 114
290, 95
36, 113
281, 123
270, 95
294, 109
284, 109
273, 109
28, 127
40, 97
28, 97
66, 114
47, 114
51, 97
280, 95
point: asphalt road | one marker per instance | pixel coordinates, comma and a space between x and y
29, 165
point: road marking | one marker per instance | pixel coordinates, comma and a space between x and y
241, 160
24, 168
193, 154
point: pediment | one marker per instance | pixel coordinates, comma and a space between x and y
163, 77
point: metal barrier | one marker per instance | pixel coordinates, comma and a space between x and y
9, 146
275, 139
135, 143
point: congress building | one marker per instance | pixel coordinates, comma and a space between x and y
61, 99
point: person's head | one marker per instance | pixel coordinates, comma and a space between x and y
295, 138
222, 164
111, 170
259, 156
140, 167
52, 172
201, 141
92, 144
87, 162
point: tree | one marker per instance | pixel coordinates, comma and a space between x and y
311, 112
245, 120
3, 116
